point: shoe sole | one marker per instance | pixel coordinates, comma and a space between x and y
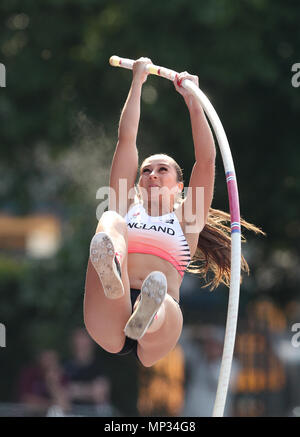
102, 256
153, 292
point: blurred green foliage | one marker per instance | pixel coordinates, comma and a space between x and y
59, 116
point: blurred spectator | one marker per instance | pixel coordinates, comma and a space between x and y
287, 347
262, 383
88, 384
161, 386
203, 348
43, 385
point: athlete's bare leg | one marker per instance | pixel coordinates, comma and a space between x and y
163, 334
106, 318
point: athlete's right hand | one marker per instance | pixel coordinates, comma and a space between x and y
139, 69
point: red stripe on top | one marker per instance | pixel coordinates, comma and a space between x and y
137, 247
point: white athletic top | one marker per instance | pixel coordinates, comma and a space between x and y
161, 236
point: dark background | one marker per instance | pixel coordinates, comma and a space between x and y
59, 116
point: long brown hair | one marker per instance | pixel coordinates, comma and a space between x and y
213, 253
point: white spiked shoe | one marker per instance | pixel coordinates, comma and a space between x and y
102, 256
153, 292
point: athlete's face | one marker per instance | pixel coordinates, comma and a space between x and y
159, 178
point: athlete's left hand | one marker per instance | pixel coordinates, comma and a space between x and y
178, 81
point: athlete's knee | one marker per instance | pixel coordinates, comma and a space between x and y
112, 220
146, 359
111, 345
112, 348
150, 359
112, 217
147, 362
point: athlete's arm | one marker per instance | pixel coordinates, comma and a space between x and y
125, 159
203, 172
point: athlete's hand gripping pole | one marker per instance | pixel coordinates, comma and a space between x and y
233, 302
166, 73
